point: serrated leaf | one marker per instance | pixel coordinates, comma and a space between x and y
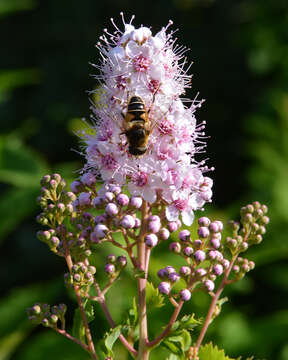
110, 339
153, 298
187, 322
210, 352
178, 343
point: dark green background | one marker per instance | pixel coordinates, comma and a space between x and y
240, 55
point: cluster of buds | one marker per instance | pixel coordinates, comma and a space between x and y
54, 201
82, 276
207, 257
253, 220
114, 265
204, 258
46, 315
120, 212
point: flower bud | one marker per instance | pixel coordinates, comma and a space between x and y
45, 180
100, 230
137, 223
108, 196
121, 261
164, 288
164, 234
111, 209
128, 222
215, 243
162, 273
84, 199
218, 269
174, 277
175, 247
151, 240
154, 226
109, 269
185, 295
184, 235
200, 255
122, 199
136, 202
197, 243
172, 226
201, 272
188, 251
115, 189
215, 226
203, 232
204, 221
185, 271
209, 285
111, 258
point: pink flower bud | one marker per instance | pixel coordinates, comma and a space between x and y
200, 255
84, 199
218, 269
204, 221
184, 235
175, 247
188, 251
164, 288
154, 226
128, 222
136, 202
185, 295
172, 226
151, 240
164, 234
209, 284
122, 199
111, 209
100, 230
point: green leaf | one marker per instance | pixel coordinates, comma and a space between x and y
7, 7
19, 165
187, 322
110, 339
11, 79
178, 343
153, 298
210, 352
78, 329
89, 309
10, 342
16, 205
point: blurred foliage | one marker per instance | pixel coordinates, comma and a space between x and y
240, 54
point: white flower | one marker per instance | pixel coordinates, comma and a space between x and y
134, 62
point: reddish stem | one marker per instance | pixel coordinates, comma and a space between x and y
166, 331
213, 305
70, 337
89, 339
102, 302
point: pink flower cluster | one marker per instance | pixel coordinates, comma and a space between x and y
134, 62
